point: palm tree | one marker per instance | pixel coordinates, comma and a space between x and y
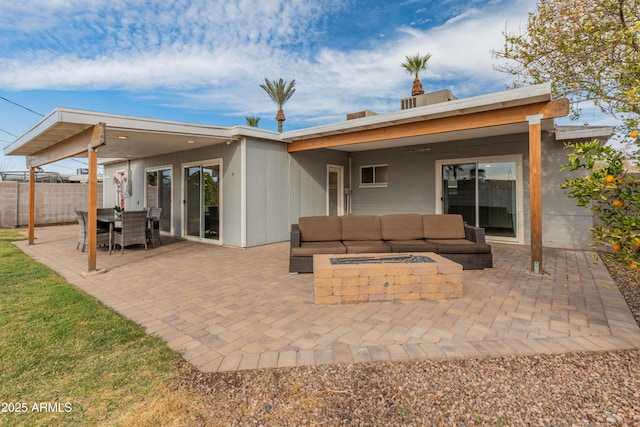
252, 121
413, 65
280, 93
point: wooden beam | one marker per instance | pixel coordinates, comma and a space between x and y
92, 211
70, 147
32, 205
98, 138
504, 116
535, 192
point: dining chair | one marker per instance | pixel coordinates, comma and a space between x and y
134, 230
82, 229
153, 229
102, 236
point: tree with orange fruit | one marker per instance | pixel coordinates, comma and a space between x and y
612, 193
590, 51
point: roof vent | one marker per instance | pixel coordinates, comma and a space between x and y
427, 99
360, 114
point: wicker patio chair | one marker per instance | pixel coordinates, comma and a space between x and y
102, 236
134, 230
82, 229
153, 230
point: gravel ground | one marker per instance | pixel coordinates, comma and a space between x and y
576, 389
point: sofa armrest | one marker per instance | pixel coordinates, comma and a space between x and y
296, 236
474, 234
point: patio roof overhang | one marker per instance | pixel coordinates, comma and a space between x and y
66, 133
63, 132
525, 110
481, 116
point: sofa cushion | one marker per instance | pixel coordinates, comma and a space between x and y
361, 227
411, 246
366, 246
460, 246
402, 227
447, 226
312, 248
320, 228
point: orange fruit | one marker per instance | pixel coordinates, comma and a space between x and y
610, 178
634, 134
618, 203
620, 180
617, 246
633, 265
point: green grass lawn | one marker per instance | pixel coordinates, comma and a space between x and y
66, 359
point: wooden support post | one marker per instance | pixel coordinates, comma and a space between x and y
92, 220
32, 204
535, 191
97, 139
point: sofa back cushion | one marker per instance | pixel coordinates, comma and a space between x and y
320, 228
361, 227
402, 227
446, 226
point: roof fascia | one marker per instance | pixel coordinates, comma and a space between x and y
254, 132
114, 121
47, 122
492, 101
566, 133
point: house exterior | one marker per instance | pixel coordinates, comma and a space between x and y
493, 158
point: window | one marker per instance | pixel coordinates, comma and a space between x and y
374, 176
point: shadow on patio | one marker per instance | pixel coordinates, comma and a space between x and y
228, 309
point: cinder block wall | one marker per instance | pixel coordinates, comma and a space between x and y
55, 203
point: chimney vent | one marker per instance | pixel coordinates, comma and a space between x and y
360, 114
427, 99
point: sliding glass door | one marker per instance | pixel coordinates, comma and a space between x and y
201, 216
484, 192
159, 194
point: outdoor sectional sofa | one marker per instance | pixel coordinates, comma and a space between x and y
446, 235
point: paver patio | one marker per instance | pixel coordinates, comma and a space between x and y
229, 309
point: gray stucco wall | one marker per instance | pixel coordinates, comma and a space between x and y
308, 180
412, 186
412, 174
267, 206
564, 225
281, 187
231, 185
267, 188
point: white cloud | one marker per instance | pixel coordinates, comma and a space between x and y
214, 54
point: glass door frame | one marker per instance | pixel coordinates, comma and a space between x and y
158, 169
340, 188
202, 164
517, 158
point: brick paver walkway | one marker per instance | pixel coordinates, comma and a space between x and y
228, 309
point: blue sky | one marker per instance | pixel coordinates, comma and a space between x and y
202, 61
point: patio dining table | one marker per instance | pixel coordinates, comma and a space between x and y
111, 220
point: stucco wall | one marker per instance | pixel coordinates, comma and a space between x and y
262, 188
54, 204
308, 180
267, 198
412, 186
